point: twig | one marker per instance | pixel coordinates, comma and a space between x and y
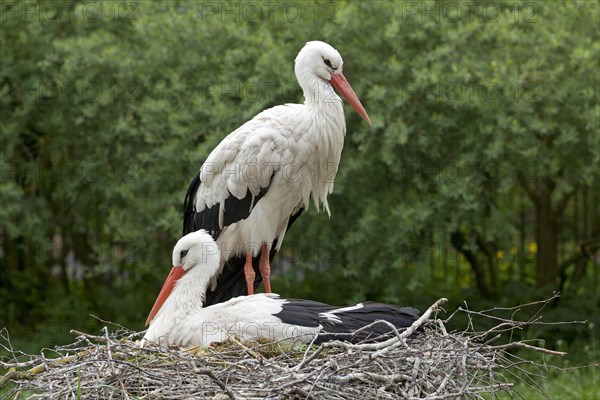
248, 350
219, 382
312, 357
88, 336
416, 325
300, 392
522, 345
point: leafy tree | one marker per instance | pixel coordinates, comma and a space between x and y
471, 130
483, 152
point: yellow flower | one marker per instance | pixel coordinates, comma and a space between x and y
532, 247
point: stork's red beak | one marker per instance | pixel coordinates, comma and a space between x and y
174, 275
341, 84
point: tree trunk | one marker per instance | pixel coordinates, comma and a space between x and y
459, 242
521, 248
489, 251
547, 232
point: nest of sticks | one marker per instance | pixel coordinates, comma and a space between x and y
431, 364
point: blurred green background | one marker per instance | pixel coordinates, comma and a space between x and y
478, 181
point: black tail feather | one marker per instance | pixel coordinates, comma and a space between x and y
231, 282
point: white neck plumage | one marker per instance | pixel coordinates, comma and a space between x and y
319, 94
188, 294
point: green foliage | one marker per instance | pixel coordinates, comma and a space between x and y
482, 113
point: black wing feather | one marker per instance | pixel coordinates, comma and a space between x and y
309, 313
191, 220
208, 219
238, 209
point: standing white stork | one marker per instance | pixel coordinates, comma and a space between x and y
259, 179
178, 318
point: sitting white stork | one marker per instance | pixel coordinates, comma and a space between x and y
259, 179
179, 319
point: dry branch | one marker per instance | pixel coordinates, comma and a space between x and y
424, 362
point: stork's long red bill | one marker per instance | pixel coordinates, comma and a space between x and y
341, 84
172, 278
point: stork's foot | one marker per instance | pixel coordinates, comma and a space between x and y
265, 268
249, 273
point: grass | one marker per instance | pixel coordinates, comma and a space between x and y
580, 384
577, 376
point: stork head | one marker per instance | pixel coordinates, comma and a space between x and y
320, 60
196, 250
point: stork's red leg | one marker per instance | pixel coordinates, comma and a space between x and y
265, 268
249, 273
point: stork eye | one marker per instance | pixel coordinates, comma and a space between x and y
182, 254
328, 63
